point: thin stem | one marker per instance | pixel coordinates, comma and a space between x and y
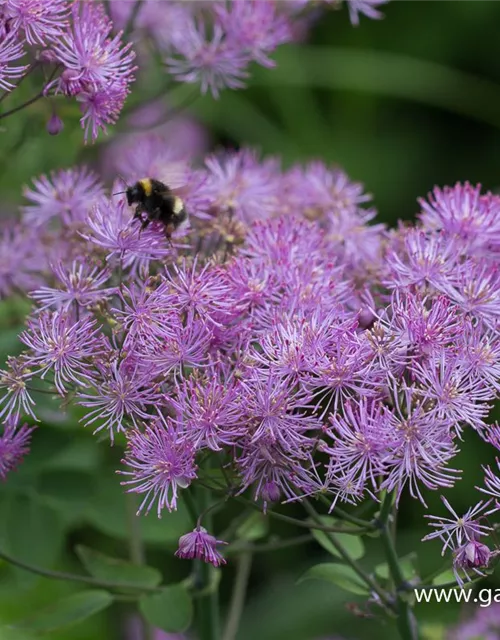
131, 20
441, 569
298, 523
136, 548
238, 597
405, 619
73, 577
386, 509
31, 68
39, 95
230, 531
207, 607
46, 391
212, 508
191, 506
136, 551
268, 546
304, 524
452, 584
344, 515
370, 582
22, 106
183, 104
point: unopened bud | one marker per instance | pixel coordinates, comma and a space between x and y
55, 125
47, 55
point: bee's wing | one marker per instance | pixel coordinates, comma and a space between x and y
174, 174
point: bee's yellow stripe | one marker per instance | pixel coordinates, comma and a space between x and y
178, 205
147, 186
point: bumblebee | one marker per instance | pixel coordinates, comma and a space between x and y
156, 202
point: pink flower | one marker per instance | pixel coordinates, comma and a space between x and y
200, 544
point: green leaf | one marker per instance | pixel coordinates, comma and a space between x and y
339, 574
30, 531
68, 611
116, 570
407, 564
46, 444
170, 610
107, 512
352, 544
9, 343
81, 454
253, 528
72, 486
10, 633
444, 577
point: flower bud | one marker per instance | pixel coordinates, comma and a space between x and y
47, 55
55, 125
270, 491
200, 544
472, 555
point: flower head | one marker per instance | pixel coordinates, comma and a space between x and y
255, 27
459, 530
122, 393
11, 49
464, 212
161, 463
63, 347
212, 61
17, 398
82, 285
237, 183
421, 450
200, 544
209, 410
201, 292
22, 260
98, 68
39, 20
112, 228
361, 440
14, 445
67, 195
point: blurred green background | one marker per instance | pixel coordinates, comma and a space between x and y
401, 104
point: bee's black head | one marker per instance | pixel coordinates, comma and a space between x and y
135, 193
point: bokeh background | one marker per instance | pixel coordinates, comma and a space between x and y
402, 104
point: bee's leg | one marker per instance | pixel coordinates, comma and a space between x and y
155, 214
169, 229
144, 223
138, 216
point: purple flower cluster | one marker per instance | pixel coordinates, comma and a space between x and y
14, 445
482, 624
282, 333
72, 41
75, 49
213, 43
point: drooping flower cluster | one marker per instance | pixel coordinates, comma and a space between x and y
76, 51
213, 43
281, 333
200, 544
72, 43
